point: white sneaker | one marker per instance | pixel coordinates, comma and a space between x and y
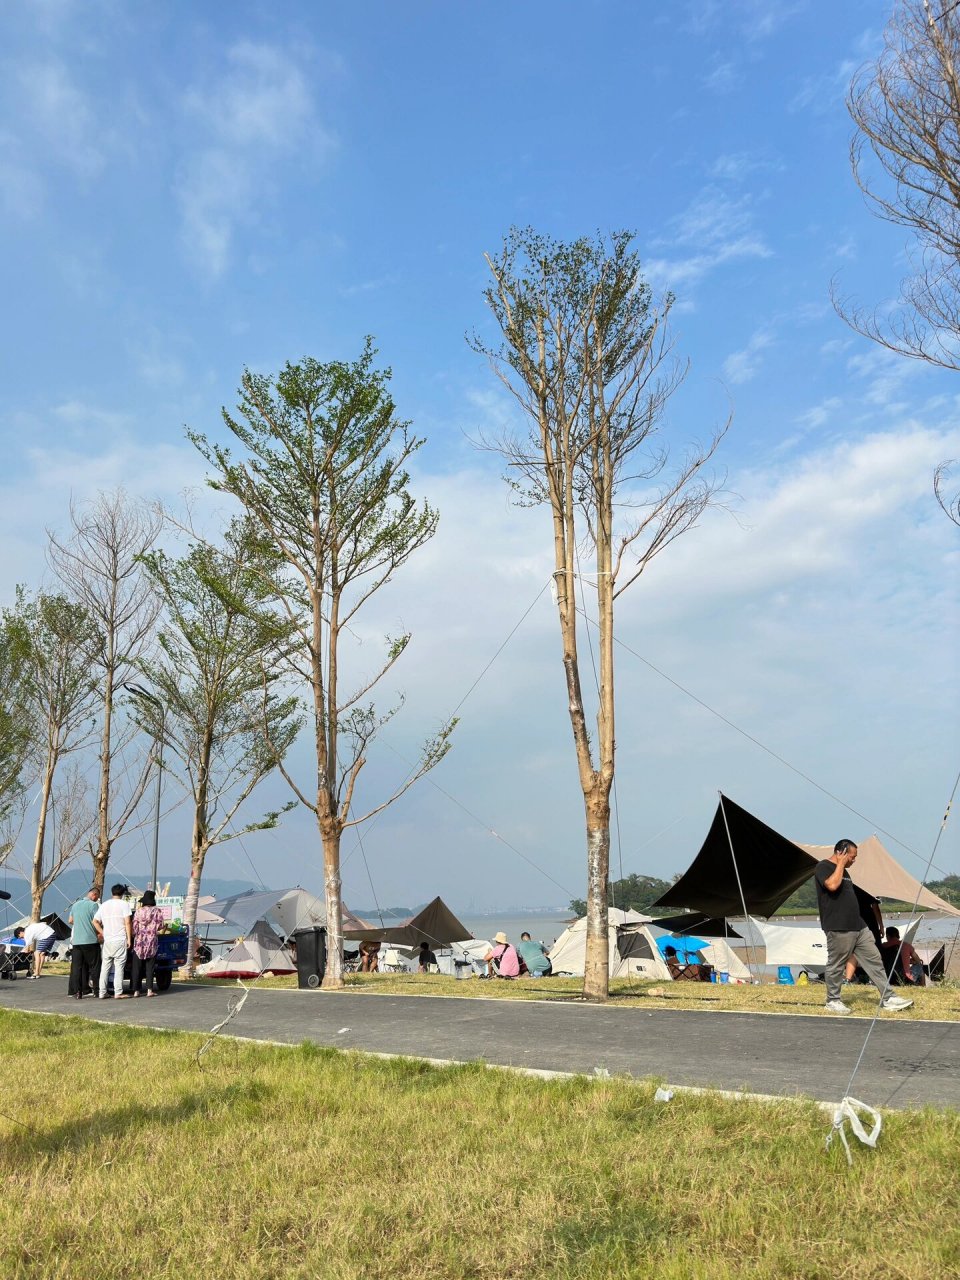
896, 1004
836, 1006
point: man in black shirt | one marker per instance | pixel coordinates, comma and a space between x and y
847, 934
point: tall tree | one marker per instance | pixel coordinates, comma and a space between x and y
216, 679
99, 565
16, 735
323, 476
585, 352
906, 108
72, 824
56, 642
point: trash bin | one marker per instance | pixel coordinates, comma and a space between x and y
311, 947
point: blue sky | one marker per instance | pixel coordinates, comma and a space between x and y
186, 190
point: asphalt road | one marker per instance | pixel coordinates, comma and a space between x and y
907, 1064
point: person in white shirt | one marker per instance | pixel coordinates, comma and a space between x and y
113, 917
38, 938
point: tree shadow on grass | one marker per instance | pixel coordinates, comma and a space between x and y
98, 1126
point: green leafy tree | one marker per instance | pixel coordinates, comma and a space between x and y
323, 477
55, 642
584, 350
632, 893
217, 678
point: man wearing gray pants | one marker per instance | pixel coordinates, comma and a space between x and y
847, 935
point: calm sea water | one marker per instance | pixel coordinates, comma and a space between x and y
544, 928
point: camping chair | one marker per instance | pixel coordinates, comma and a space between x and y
687, 972
393, 962
8, 961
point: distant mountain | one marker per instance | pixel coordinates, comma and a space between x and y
70, 886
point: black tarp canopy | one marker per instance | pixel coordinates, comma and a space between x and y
434, 923
770, 868
697, 922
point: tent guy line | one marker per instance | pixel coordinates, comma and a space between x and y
838, 1119
932, 866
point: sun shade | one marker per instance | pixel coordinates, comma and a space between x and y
771, 867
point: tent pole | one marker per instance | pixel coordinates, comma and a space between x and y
736, 871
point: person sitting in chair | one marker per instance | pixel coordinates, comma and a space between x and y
426, 958
905, 966
369, 956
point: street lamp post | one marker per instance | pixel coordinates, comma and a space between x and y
139, 692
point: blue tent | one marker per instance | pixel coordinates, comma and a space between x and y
685, 946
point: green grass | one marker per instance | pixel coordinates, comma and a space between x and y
124, 1160
939, 1003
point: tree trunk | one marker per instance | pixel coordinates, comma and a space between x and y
37, 885
101, 855
190, 909
596, 968
333, 977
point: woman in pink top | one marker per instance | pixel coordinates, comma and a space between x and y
147, 923
502, 960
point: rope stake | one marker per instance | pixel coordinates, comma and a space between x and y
848, 1112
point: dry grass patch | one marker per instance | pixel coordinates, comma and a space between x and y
125, 1160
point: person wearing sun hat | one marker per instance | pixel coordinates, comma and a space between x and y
502, 959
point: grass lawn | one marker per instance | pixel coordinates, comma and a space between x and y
940, 1003
126, 1160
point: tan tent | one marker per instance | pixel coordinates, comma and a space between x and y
877, 871
632, 949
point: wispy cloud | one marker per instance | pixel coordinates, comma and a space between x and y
741, 366
736, 166
718, 229
259, 114
62, 114
818, 414
884, 374
821, 93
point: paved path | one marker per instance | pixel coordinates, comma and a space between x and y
907, 1064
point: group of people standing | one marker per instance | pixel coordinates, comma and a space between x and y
104, 933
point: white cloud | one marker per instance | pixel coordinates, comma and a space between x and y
823, 92
261, 113
819, 414
884, 373
722, 77
735, 166
21, 191
61, 112
719, 229
741, 366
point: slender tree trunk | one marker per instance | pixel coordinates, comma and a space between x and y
199, 844
101, 855
330, 835
190, 903
36, 878
596, 968
596, 981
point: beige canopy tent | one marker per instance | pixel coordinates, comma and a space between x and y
627, 931
876, 871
